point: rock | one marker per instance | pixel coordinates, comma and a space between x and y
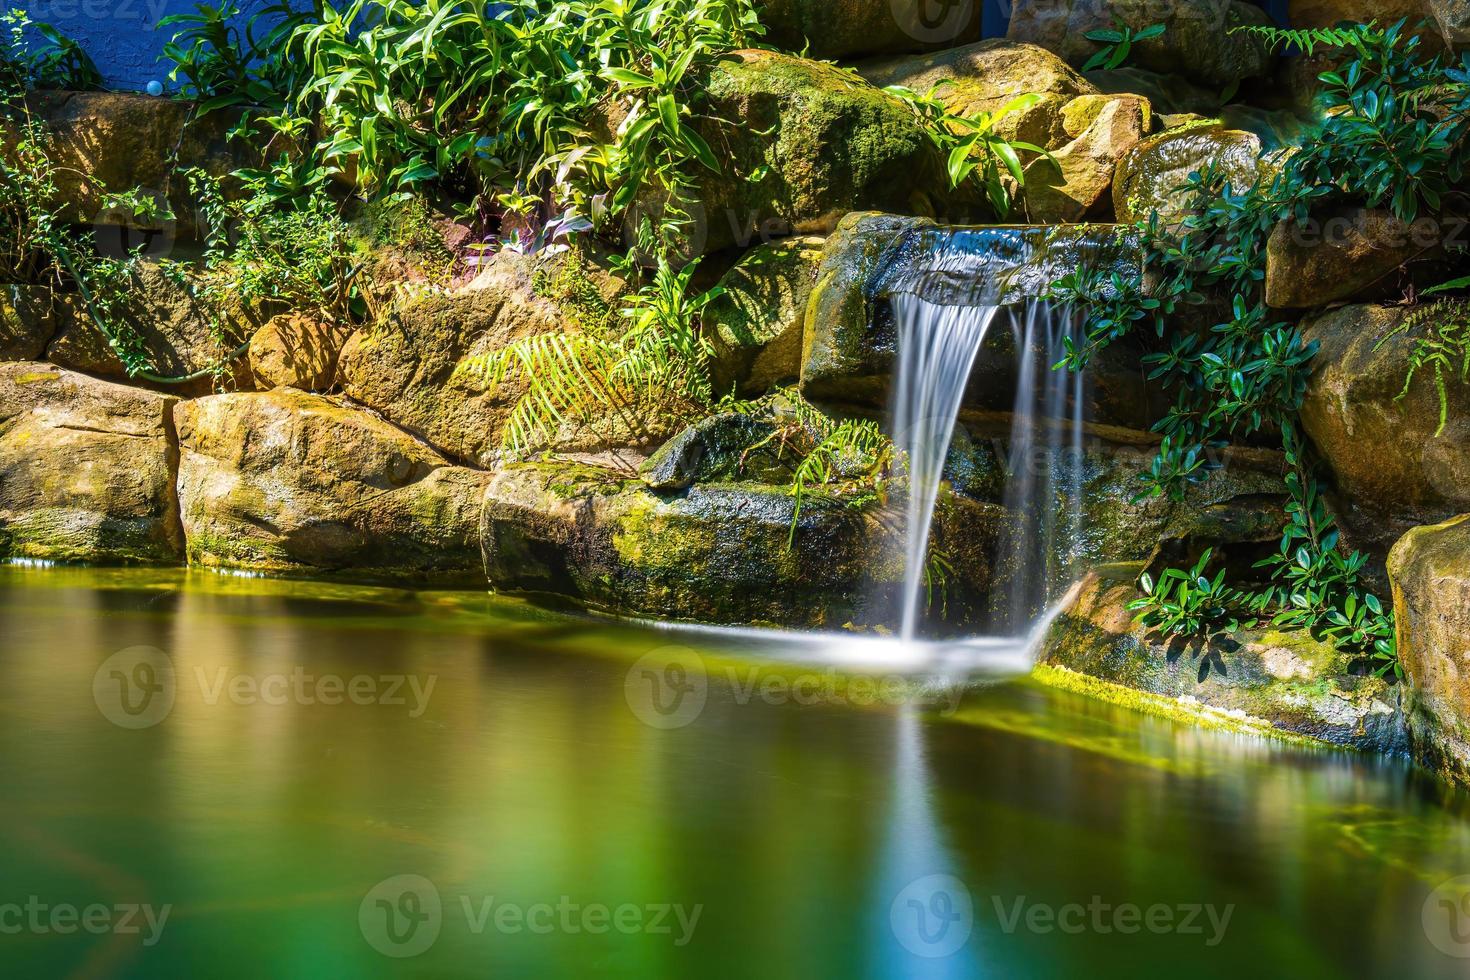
719, 448
86, 469
1288, 680
756, 326
1168, 94
984, 77
717, 553
404, 365
841, 29
1069, 184
176, 331
1150, 174
1453, 17
851, 336
125, 140
1344, 254
296, 351
802, 144
286, 481
1330, 13
1238, 507
1197, 42
1390, 471
1430, 570
27, 322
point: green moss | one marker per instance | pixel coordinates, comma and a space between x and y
1174, 709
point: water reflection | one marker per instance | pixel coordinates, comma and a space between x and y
793, 823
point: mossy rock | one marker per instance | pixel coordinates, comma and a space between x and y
1390, 470
27, 321
1430, 569
1346, 253
756, 326
86, 468
1287, 680
180, 331
290, 482
1150, 175
985, 77
803, 143
733, 553
407, 363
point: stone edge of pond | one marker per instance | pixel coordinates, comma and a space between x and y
1184, 710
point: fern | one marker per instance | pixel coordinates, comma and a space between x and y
1308, 40
1444, 349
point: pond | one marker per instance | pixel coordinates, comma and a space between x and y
217, 776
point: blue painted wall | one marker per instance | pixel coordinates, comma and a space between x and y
122, 36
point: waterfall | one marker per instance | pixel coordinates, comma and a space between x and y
937, 349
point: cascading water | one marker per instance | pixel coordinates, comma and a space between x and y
944, 303
937, 348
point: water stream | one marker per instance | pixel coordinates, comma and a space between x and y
938, 345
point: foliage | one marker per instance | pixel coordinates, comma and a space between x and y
260, 253
657, 367
975, 151
1117, 44
38, 56
1443, 348
222, 65
1392, 133
1187, 603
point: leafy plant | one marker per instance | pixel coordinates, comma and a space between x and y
38, 56
1392, 133
1117, 44
975, 151
1188, 602
1444, 348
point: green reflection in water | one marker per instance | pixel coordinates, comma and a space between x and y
529, 778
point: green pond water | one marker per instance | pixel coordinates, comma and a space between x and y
314, 780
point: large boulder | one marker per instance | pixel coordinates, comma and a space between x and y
851, 336
1430, 570
1288, 681
118, 141
173, 327
1068, 185
1390, 470
1344, 254
407, 364
86, 469
984, 77
1150, 175
27, 322
1197, 42
286, 481
719, 552
756, 325
851, 28
803, 143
